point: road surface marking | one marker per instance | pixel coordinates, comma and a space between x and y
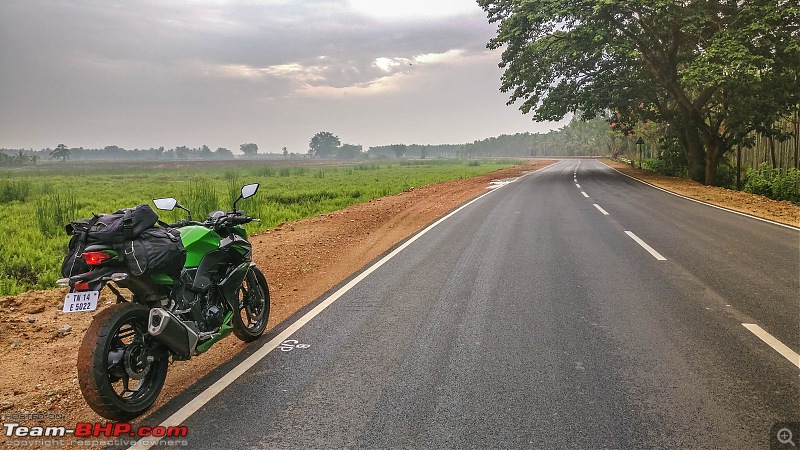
600, 209
777, 345
204, 397
579, 186
644, 245
585, 194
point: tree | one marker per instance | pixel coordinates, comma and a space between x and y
399, 150
323, 145
182, 152
61, 151
21, 158
223, 153
249, 149
712, 70
348, 151
285, 152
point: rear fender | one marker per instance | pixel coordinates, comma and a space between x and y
91, 286
95, 279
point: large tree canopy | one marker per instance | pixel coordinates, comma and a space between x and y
324, 145
61, 151
712, 70
249, 149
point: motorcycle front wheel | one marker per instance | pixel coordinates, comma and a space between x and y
121, 368
250, 320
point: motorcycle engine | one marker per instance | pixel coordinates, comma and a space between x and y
206, 312
203, 308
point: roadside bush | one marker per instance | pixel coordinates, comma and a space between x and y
726, 175
776, 184
672, 161
786, 186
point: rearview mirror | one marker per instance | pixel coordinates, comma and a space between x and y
249, 190
166, 204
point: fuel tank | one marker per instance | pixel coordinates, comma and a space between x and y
198, 241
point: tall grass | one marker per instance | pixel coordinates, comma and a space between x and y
234, 190
56, 210
14, 190
41, 203
200, 197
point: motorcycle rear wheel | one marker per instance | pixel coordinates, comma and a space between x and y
250, 320
115, 376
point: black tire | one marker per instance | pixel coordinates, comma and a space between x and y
109, 360
250, 318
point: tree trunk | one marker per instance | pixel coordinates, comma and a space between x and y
739, 167
796, 139
772, 151
713, 154
695, 152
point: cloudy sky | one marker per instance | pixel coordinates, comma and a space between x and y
150, 73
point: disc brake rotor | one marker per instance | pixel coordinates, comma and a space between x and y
132, 366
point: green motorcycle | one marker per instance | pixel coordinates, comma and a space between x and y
191, 284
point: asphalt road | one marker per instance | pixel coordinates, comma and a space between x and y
532, 318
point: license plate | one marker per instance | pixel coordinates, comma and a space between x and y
81, 301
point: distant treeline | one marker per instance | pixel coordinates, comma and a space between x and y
578, 138
520, 144
12, 156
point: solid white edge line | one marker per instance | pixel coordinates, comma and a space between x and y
605, 213
776, 345
702, 202
179, 416
644, 245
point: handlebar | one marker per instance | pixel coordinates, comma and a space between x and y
240, 220
224, 220
183, 223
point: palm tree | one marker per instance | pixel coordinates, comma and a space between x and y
21, 158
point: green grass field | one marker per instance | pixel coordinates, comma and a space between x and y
36, 203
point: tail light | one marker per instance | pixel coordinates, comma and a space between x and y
96, 258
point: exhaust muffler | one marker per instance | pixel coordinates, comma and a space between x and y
170, 331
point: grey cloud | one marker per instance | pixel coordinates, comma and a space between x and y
161, 33
114, 70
